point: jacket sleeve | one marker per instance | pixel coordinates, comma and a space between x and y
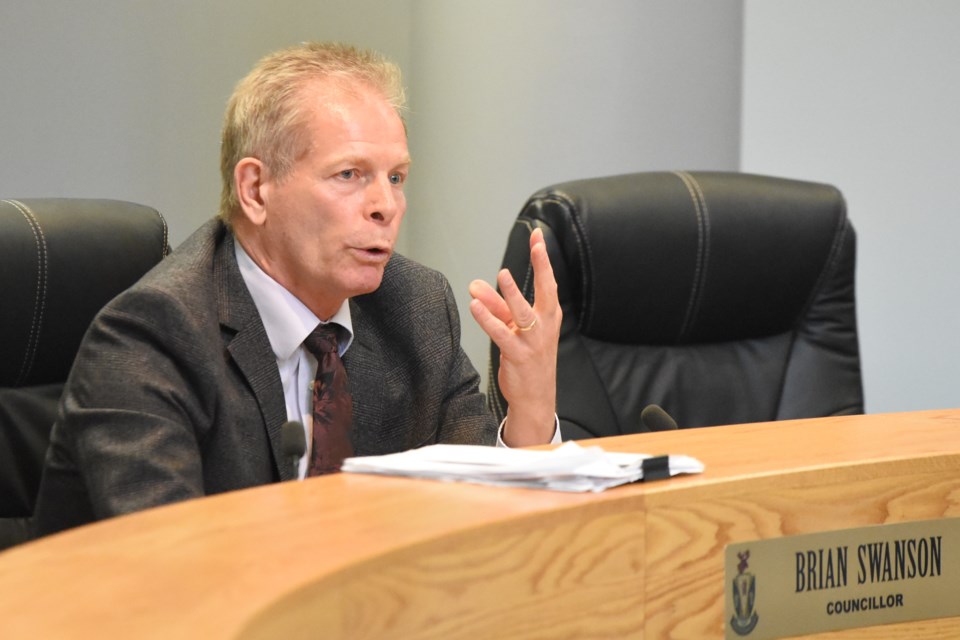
125, 438
465, 418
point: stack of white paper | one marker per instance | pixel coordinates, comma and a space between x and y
569, 467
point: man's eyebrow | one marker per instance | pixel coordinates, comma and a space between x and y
352, 159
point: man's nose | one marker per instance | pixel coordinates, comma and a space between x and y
385, 200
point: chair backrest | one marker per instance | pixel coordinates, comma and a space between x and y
61, 261
723, 297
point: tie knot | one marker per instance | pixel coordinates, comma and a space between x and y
322, 340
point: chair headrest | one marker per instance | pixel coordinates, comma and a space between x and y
678, 257
61, 261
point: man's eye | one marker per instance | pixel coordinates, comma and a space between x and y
347, 174
397, 178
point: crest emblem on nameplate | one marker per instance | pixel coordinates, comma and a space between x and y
744, 588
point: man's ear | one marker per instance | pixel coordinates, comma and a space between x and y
248, 179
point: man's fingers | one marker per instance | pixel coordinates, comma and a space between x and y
544, 282
509, 306
495, 328
520, 310
490, 299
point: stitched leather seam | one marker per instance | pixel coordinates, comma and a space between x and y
529, 274
493, 399
583, 240
164, 250
40, 299
583, 250
703, 251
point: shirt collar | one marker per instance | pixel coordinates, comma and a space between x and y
287, 320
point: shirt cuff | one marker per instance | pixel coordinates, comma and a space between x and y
556, 432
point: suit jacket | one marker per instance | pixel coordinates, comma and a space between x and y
175, 392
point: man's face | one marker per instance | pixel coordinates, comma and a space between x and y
332, 222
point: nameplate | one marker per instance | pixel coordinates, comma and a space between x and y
842, 579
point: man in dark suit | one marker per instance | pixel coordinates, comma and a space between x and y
183, 383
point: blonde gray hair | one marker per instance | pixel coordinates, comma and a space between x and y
265, 118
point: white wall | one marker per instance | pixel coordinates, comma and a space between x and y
510, 96
124, 99
865, 94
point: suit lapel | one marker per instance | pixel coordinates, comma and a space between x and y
246, 341
366, 368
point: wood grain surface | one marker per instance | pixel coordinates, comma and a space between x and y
353, 556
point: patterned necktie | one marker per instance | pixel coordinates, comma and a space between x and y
332, 405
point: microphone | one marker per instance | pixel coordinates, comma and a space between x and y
654, 418
293, 444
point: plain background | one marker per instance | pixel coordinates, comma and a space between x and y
124, 99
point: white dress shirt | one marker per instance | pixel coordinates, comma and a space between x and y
288, 322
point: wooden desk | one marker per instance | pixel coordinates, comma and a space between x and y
353, 556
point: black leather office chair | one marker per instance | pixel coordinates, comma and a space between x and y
723, 297
61, 260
